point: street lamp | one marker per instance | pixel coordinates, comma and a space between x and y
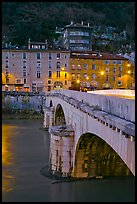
102, 73
128, 72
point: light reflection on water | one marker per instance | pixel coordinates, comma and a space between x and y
25, 150
7, 158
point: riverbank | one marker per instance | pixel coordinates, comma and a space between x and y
21, 114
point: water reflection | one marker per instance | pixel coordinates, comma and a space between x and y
7, 158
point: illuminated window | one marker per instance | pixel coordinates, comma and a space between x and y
73, 76
58, 74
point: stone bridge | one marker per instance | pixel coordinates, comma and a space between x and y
90, 134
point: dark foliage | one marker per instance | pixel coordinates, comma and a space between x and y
38, 20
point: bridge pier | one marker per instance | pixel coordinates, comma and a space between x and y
48, 117
61, 150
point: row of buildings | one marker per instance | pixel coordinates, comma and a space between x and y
40, 69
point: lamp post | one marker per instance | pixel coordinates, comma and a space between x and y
102, 74
128, 72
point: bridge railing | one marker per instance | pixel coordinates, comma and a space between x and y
121, 107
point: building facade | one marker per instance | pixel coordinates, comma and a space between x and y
93, 70
38, 69
35, 69
77, 37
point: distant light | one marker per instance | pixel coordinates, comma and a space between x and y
128, 65
62, 69
128, 71
102, 72
78, 81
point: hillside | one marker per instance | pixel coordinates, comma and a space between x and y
38, 20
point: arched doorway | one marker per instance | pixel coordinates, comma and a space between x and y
59, 116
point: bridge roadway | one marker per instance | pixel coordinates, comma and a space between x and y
104, 121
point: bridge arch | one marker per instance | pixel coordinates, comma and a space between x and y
95, 157
59, 115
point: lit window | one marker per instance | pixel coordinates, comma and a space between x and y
58, 74
85, 75
73, 76
79, 66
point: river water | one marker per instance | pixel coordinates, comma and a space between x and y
25, 151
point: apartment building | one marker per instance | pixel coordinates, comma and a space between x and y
36, 69
92, 70
77, 37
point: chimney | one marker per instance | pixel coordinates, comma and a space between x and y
81, 22
88, 24
29, 44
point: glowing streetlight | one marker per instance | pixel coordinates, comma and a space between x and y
128, 71
78, 81
87, 77
102, 73
62, 68
128, 65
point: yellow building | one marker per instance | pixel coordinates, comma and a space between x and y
92, 70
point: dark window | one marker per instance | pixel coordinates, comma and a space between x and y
50, 74
58, 55
24, 55
50, 56
38, 55
58, 65
25, 80
38, 74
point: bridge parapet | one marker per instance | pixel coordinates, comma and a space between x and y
121, 107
